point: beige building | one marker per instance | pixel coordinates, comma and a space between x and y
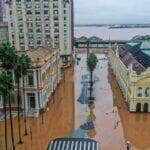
62, 28
29, 24
41, 80
131, 66
46, 23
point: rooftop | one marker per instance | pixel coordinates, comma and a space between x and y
140, 51
38, 56
128, 59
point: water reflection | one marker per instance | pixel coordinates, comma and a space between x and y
87, 128
107, 127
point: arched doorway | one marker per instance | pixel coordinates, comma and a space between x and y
138, 107
145, 108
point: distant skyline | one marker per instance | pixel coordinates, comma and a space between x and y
112, 11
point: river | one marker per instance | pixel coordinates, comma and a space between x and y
112, 34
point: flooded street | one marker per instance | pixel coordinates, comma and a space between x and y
109, 121
136, 126
58, 121
114, 124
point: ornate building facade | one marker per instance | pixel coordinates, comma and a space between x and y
41, 80
131, 66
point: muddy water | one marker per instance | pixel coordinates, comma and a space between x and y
58, 121
113, 123
136, 126
107, 131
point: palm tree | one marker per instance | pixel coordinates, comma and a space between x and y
91, 63
25, 65
11, 122
18, 73
6, 87
8, 60
8, 56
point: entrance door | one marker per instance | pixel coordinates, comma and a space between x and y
145, 108
31, 100
138, 107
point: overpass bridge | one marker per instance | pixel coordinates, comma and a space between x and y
95, 42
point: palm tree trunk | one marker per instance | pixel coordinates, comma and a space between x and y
11, 125
5, 111
25, 116
42, 116
91, 83
19, 125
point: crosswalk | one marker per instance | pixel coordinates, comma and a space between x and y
73, 144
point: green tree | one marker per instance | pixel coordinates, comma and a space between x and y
8, 56
91, 63
6, 87
25, 65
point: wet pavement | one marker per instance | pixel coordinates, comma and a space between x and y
113, 124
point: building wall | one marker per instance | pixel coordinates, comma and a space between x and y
3, 23
30, 24
61, 12
4, 34
45, 81
130, 83
47, 23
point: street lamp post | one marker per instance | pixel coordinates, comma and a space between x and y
128, 145
88, 43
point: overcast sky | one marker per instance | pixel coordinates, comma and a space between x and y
112, 11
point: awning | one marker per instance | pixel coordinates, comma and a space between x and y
73, 144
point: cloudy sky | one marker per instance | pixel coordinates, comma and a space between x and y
112, 11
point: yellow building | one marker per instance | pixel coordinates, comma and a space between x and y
132, 70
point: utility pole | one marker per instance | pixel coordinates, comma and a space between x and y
88, 43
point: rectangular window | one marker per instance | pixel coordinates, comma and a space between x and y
30, 80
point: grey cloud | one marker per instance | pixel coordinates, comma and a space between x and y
112, 11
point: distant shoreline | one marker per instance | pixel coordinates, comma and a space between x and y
115, 26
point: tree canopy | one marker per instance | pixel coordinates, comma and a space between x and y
6, 82
8, 56
92, 61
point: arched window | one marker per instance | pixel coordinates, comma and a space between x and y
147, 92
139, 92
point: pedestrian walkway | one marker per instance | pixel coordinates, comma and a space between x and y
107, 126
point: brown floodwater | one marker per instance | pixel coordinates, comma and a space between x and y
136, 126
58, 121
114, 124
